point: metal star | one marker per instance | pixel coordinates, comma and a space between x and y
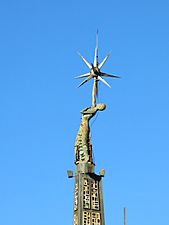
95, 69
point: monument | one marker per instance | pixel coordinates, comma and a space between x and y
88, 197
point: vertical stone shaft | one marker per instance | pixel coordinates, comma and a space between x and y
88, 198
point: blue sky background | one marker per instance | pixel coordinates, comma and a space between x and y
40, 105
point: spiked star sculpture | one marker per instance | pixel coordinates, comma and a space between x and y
95, 72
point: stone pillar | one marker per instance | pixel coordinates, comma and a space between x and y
88, 198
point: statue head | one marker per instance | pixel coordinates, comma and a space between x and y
101, 106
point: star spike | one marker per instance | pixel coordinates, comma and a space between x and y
105, 82
86, 80
85, 61
104, 60
109, 75
96, 52
83, 75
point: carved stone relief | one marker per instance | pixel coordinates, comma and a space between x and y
96, 219
76, 197
94, 195
86, 218
86, 194
75, 219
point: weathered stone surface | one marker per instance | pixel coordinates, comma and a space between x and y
88, 200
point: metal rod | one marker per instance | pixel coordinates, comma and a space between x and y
124, 216
94, 92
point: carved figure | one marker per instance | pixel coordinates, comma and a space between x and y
82, 143
83, 148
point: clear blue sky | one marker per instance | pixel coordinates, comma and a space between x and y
40, 105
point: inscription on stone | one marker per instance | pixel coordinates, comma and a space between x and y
86, 193
95, 219
95, 195
86, 218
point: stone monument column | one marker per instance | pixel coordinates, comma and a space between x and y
88, 195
